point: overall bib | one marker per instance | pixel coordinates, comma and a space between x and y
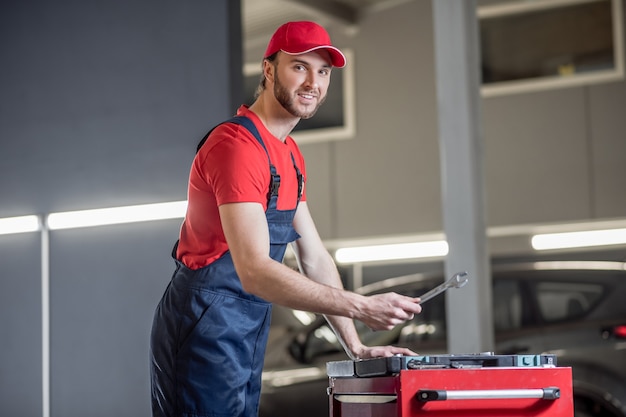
209, 336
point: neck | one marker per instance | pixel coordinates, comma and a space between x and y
276, 119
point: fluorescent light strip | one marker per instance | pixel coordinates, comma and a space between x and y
392, 252
116, 215
579, 239
21, 224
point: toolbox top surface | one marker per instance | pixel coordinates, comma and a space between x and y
394, 364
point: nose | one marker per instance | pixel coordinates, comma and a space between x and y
312, 81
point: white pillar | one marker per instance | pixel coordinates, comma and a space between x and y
457, 57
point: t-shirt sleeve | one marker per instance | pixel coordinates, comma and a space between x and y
235, 166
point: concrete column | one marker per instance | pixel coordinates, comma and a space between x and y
457, 57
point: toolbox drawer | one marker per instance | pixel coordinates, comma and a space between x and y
522, 392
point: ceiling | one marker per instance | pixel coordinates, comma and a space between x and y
262, 17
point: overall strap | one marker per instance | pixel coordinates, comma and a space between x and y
300, 177
238, 120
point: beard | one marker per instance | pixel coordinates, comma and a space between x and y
286, 100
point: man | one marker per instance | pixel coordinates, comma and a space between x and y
247, 201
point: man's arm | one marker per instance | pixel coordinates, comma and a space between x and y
245, 228
317, 264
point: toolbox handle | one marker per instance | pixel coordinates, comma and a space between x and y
549, 393
365, 398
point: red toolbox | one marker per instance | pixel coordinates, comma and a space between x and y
451, 385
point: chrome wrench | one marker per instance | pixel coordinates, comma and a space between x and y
458, 280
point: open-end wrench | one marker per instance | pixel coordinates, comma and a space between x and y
457, 281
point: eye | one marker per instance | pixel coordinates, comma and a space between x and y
325, 72
299, 67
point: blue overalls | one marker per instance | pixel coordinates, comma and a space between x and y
209, 336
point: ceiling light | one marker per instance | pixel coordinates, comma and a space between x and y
392, 252
117, 215
579, 239
21, 224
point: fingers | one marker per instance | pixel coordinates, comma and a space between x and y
410, 307
387, 351
402, 351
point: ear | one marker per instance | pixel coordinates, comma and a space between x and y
268, 70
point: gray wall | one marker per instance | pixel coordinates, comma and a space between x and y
20, 325
105, 283
102, 104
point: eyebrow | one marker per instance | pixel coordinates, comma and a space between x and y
307, 63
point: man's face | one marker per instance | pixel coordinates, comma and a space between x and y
301, 82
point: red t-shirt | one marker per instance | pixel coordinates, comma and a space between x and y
232, 167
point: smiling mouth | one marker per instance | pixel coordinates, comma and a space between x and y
307, 96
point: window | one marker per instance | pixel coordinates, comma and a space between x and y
543, 44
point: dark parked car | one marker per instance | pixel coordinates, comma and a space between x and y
576, 310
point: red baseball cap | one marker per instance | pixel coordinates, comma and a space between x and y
296, 38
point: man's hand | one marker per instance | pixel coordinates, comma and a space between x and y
378, 351
385, 311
